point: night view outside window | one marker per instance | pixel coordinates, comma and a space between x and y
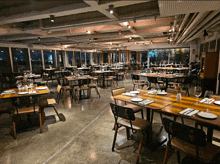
60, 58
5, 63
83, 58
105, 57
143, 58
20, 59
70, 57
36, 61
133, 56
49, 58
123, 57
115, 57
88, 58
77, 56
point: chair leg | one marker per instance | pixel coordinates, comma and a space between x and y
115, 136
97, 91
90, 94
142, 114
178, 156
182, 120
139, 149
133, 87
128, 133
54, 107
167, 155
40, 120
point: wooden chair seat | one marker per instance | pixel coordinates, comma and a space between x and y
51, 101
204, 152
134, 107
92, 85
67, 87
27, 110
137, 124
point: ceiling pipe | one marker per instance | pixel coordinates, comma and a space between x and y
196, 21
204, 28
101, 23
207, 19
174, 25
181, 26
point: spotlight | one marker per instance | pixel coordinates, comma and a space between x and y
89, 32
52, 18
90, 39
111, 43
119, 32
125, 23
38, 38
111, 9
205, 33
128, 26
170, 30
130, 38
151, 42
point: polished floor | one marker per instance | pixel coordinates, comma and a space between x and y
83, 136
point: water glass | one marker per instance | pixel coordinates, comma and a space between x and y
197, 93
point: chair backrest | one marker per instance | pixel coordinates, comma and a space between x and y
58, 88
118, 91
186, 133
134, 77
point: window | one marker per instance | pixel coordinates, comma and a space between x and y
143, 58
83, 58
98, 58
49, 58
60, 58
115, 57
5, 63
105, 57
77, 57
133, 56
20, 59
36, 61
168, 56
123, 57
88, 58
70, 57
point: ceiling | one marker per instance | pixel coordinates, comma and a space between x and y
148, 22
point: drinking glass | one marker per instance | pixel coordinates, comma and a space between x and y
197, 93
206, 96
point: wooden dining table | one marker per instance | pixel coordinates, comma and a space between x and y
167, 104
167, 77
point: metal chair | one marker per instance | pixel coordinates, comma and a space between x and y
129, 121
189, 140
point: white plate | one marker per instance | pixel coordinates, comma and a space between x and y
135, 92
22, 93
136, 99
162, 93
207, 115
9, 91
217, 102
41, 88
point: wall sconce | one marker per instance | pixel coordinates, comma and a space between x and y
111, 9
52, 18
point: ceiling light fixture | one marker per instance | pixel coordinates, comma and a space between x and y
111, 9
151, 42
111, 43
125, 23
130, 38
52, 18
90, 39
89, 32
119, 32
38, 38
128, 26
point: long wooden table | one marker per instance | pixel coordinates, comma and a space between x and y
167, 104
167, 77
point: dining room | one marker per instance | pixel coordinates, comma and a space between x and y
105, 82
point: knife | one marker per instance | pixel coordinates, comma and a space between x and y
188, 112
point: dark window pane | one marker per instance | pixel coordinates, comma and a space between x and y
105, 57
36, 61
60, 58
83, 58
133, 56
5, 63
123, 57
20, 59
115, 57
88, 58
70, 57
143, 58
49, 58
77, 57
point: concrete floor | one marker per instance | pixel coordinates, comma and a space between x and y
83, 136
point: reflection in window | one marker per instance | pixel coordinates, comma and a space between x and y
143, 58
5, 64
77, 57
98, 58
49, 58
123, 57
115, 57
83, 58
36, 61
20, 59
60, 58
133, 56
70, 57
105, 57
168, 56
88, 58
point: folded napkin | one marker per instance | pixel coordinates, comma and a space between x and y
206, 101
41, 88
32, 92
189, 112
152, 92
146, 102
129, 94
8, 92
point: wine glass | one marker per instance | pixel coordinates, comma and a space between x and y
206, 96
197, 93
